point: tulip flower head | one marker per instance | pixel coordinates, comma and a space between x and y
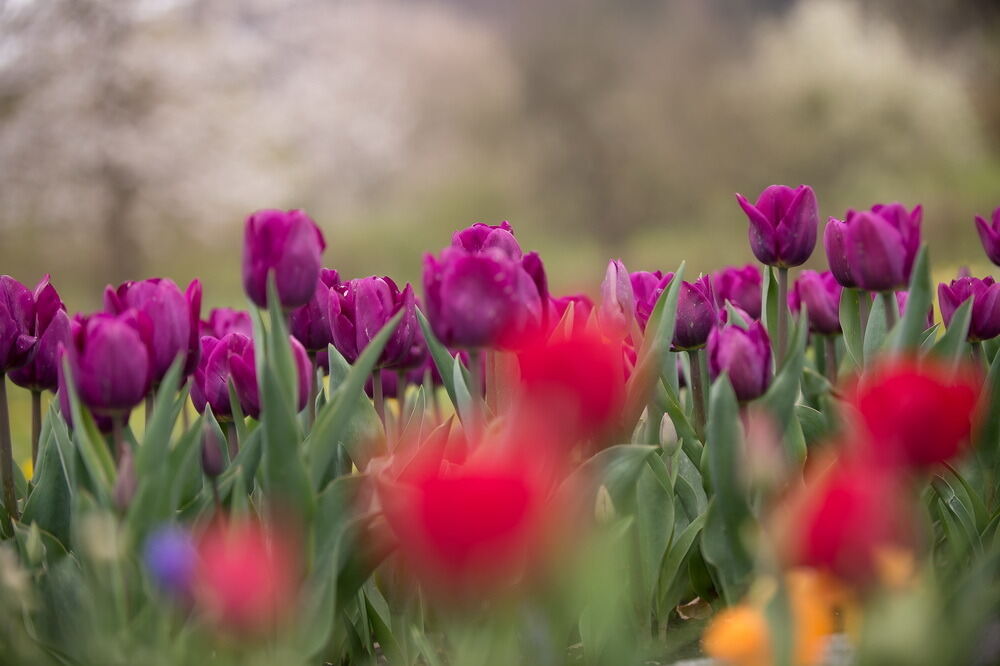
783, 224
482, 298
985, 322
246, 575
915, 415
310, 324
173, 316
243, 367
740, 286
989, 234
214, 373
17, 320
51, 327
223, 321
696, 314
582, 307
875, 249
616, 312
745, 355
646, 289
820, 294
360, 308
288, 244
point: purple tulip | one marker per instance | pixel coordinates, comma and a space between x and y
901, 299
290, 245
783, 224
244, 373
17, 317
52, 328
985, 323
173, 316
696, 314
360, 308
740, 286
214, 372
989, 233
745, 355
646, 289
820, 294
223, 321
310, 324
193, 297
875, 249
482, 299
616, 312
481, 237
171, 557
110, 361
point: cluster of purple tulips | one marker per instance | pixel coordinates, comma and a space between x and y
481, 292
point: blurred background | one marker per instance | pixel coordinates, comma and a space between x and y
135, 136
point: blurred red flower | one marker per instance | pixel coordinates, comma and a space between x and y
246, 574
916, 414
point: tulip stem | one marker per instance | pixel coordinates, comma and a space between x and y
377, 396
830, 342
698, 392
185, 415
6, 453
313, 390
117, 437
476, 391
864, 309
891, 309
232, 439
782, 313
149, 407
36, 425
977, 353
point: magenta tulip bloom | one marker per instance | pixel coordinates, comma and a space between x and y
646, 289
310, 324
173, 316
989, 234
875, 249
820, 294
745, 355
740, 286
358, 311
214, 372
223, 321
696, 313
110, 361
244, 373
616, 311
481, 299
52, 329
582, 307
482, 237
783, 224
985, 323
17, 319
290, 245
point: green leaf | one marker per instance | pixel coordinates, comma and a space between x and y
783, 392
723, 543
961, 513
675, 559
918, 303
876, 333
769, 299
617, 468
815, 426
951, 347
333, 421
89, 443
850, 323
167, 407
50, 503
441, 356
463, 399
654, 522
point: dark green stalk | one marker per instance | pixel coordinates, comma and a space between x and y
313, 390
830, 342
401, 401
864, 309
36, 425
891, 309
782, 313
232, 439
117, 437
697, 392
7, 453
150, 399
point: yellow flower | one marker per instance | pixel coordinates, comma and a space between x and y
28, 468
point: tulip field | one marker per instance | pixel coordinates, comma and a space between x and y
761, 465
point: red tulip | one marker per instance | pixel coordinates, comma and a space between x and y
916, 415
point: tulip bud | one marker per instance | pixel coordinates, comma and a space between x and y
696, 314
193, 297
359, 309
17, 316
820, 293
617, 309
745, 355
876, 249
214, 372
740, 286
243, 367
783, 224
646, 289
310, 324
290, 245
212, 463
110, 361
835, 242
985, 323
989, 234
482, 237
169, 312
126, 482
51, 327
223, 321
